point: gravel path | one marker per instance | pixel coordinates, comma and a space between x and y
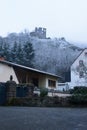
28, 118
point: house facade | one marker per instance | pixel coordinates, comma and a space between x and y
79, 70
5, 72
23, 74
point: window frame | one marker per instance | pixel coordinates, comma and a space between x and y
51, 83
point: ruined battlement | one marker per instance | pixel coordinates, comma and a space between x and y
39, 32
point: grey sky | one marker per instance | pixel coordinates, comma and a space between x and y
62, 18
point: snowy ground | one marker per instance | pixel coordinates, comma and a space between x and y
28, 118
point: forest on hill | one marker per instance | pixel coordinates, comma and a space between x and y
51, 55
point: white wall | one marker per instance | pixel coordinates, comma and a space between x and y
42, 81
5, 72
75, 78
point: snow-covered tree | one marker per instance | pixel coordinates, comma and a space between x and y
14, 57
19, 54
51, 55
28, 54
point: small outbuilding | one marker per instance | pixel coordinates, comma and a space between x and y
23, 74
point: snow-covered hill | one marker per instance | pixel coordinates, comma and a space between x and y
52, 55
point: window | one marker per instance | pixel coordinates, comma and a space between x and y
81, 69
81, 63
81, 74
51, 83
86, 54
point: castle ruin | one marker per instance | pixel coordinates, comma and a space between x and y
39, 32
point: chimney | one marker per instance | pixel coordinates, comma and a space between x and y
2, 58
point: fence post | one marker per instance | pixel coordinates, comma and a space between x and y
10, 90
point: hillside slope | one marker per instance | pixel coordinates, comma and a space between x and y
51, 55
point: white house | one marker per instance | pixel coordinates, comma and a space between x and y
23, 74
79, 70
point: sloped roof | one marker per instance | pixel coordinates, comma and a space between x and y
28, 68
78, 56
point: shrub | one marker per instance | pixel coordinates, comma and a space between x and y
79, 96
43, 92
79, 90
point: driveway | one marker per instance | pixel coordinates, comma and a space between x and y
32, 118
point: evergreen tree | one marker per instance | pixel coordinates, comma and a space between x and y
19, 55
1, 49
28, 54
5, 50
14, 53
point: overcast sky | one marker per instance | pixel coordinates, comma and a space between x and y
62, 18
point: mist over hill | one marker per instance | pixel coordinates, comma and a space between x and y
51, 55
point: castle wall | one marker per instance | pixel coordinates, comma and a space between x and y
39, 32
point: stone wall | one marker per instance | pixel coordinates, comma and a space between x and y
10, 90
